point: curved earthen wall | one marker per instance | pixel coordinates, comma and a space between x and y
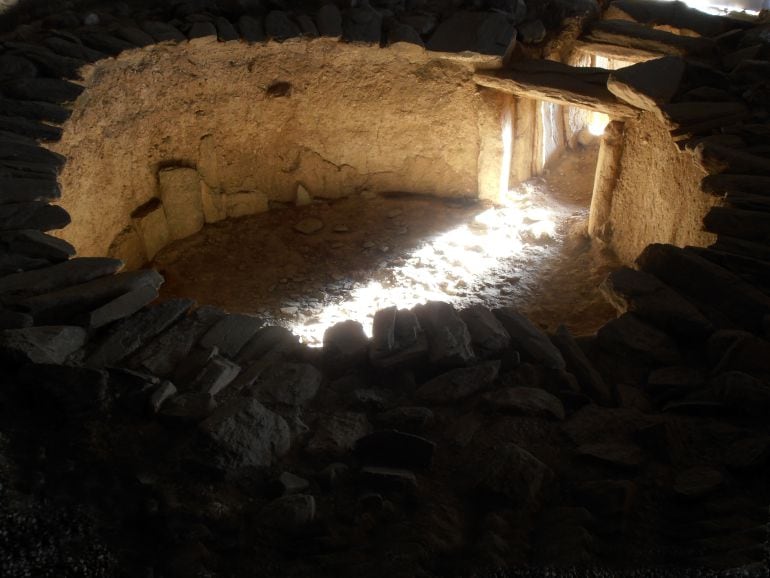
257, 121
657, 197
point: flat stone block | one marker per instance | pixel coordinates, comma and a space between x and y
180, 193
152, 225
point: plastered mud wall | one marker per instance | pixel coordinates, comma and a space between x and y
167, 138
657, 196
256, 122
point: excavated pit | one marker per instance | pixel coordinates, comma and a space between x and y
374, 251
398, 159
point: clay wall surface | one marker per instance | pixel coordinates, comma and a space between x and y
256, 121
657, 196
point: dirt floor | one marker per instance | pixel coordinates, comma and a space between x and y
372, 251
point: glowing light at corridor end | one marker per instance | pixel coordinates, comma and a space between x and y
597, 122
749, 7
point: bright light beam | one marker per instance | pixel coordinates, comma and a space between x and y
449, 266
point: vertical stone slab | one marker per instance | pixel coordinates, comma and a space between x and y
208, 166
549, 134
495, 144
213, 202
607, 171
128, 246
180, 192
524, 130
151, 224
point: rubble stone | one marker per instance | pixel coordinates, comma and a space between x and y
246, 433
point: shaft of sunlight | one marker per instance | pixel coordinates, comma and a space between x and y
447, 266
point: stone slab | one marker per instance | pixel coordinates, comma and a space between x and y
10, 319
43, 344
123, 306
252, 29
398, 340
45, 89
482, 32
134, 36
27, 190
633, 341
105, 42
706, 284
279, 26
131, 333
225, 30
530, 340
651, 299
218, 373
448, 338
162, 393
246, 433
589, 379
152, 225
526, 401
488, 336
395, 449
14, 147
648, 84
334, 435
72, 303
345, 345
271, 340
294, 384
73, 49
34, 110
162, 355
34, 215
162, 31
188, 407
245, 203
231, 333
12, 263
458, 384
30, 128
180, 192
72, 272
329, 20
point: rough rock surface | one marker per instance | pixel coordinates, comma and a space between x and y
529, 339
41, 344
247, 434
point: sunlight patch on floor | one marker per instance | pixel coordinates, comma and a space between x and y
497, 248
